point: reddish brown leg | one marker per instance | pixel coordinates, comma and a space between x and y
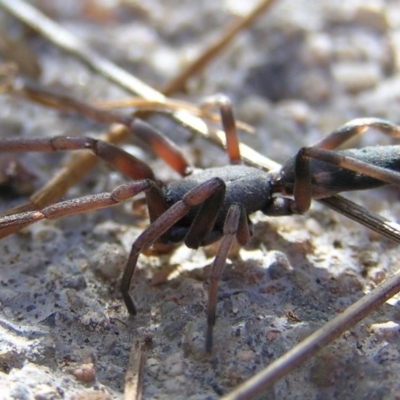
228, 122
235, 226
323, 151
356, 127
193, 198
161, 145
80, 205
120, 159
205, 219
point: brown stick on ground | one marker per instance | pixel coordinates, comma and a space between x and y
178, 83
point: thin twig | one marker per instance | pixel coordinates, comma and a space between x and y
377, 223
134, 373
167, 107
214, 49
316, 341
72, 44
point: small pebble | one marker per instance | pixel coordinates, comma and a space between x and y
108, 260
356, 76
174, 365
85, 373
386, 330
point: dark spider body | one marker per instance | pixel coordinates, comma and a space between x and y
253, 188
248, 186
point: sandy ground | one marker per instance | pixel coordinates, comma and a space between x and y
301, 71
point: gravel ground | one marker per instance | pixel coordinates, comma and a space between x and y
301, 71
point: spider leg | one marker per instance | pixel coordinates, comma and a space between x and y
79, 205
235, 226
357, 127
205, 219
120, 159
229, 125
155, 140
164, 222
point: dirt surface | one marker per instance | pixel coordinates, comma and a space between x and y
301, 71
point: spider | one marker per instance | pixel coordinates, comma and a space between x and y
213, 204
